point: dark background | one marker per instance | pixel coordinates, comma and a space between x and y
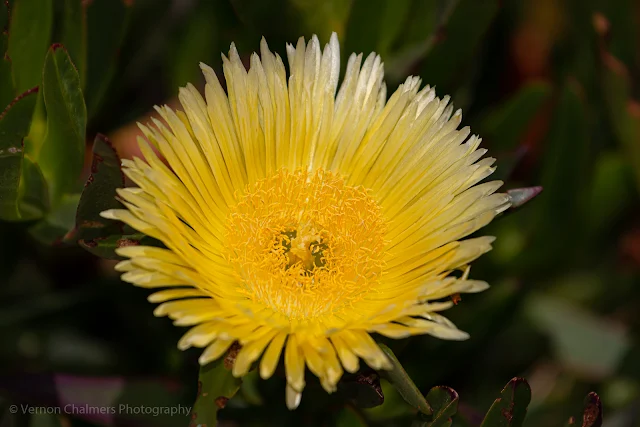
550, 85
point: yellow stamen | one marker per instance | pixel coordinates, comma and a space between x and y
305, 244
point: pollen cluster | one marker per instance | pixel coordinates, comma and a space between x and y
305, 244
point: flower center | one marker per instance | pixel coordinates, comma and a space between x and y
305, 244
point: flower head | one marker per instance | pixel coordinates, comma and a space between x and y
301, 220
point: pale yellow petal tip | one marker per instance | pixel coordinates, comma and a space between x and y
449, 333
122, 252
265, 371
461, 335
206, 358
156, 298
203, 359
110, 214
184, 344
477, 286
293, 398
123, 266
161, 310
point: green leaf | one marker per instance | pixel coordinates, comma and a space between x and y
105, 247
4, 18
216, 385
624, 112
7, 89
250, 389
585, 344
74, 35
505, 126
38, 129
107, 22
322, 17
510, 409
567, 143
469, 21
62, 154
29, 38
420, 33
393, 407
444, 401
52, 229
34, 194
14, 126
374, 25
399, 378
280, 20
612, 191
99, 193
198, 43
349, 417
363, 390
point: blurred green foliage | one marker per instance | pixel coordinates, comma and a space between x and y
551, 85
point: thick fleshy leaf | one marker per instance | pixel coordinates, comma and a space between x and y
363, 390
74, 35
14, 126
107, 21
216, 385
62, 154
99, 194
420, 33
468, 23
510, 409
34, 193
349, 417
58, 222
611, 192
584, 344
399, 378
505, 126
29, 38
322, 17
105, 247
444, 401
624, 112
374, 25
568, 142
4, 16
199, 43
290, 19
7, 88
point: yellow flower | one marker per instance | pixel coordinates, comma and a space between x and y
300, 220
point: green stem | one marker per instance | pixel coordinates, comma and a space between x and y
399, 378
